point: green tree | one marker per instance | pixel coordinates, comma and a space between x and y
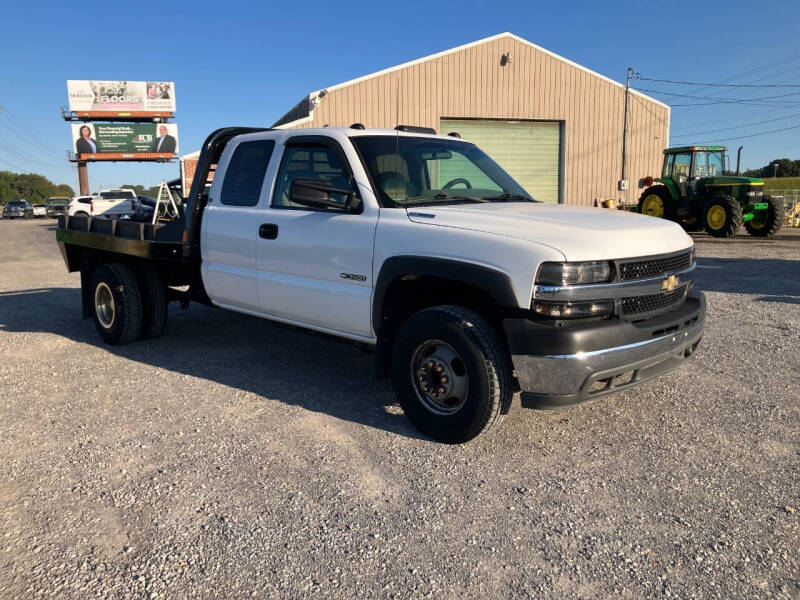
30, 186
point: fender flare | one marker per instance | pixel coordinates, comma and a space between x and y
495, 283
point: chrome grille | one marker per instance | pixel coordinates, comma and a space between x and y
644, 306
654, 267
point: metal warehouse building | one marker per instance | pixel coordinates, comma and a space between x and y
556, 126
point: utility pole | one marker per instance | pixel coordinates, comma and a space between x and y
775, 170
623, 183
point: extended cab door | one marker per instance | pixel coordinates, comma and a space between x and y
230, 223
315, 265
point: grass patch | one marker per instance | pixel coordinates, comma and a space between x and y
782, 183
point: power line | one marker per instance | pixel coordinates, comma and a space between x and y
738, 126
741, 137
724, 100
744, 74
28, 158
733, 85
17, 167
23, 130
736, 118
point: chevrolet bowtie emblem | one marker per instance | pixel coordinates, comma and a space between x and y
670, 283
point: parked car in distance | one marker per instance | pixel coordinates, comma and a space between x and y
144, 208
106, 205
38, 211
17, 209
80, 206
57, 206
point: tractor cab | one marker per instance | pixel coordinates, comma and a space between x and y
695, 191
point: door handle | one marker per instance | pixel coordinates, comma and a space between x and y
268, 231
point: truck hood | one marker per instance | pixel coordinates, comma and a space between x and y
579, 233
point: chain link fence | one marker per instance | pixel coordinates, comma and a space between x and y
791, 205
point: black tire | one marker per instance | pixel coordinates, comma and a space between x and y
81, 213
692, 224
722, 227
767, 227
154, 301
668, 204
119, 322
484, 365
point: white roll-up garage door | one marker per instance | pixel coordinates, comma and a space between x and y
528, 150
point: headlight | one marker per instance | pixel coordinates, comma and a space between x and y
755, 194
573, 310
574, 273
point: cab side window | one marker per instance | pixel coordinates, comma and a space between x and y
245, 173
310, 161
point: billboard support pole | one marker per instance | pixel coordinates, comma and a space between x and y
83, 178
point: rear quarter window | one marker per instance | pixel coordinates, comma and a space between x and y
245, 173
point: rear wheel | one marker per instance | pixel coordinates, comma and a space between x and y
722, 216
766, 223
154, 301
117, 303
451, 373
656, 201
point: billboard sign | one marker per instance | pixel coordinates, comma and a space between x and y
121, 96
96, 141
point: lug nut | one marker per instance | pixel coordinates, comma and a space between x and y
439, 369
444, 379
441, 390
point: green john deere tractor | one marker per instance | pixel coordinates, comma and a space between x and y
694, 191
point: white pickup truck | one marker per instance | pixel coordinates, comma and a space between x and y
108, 204
415, 245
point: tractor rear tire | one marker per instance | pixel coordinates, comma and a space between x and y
657, 201
770, 222
722, 216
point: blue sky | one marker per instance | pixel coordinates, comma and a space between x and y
240, 63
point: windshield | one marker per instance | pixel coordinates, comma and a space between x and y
708, 164
59, 200
411, 171
16, 203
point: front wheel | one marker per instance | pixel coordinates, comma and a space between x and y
765, 223
451, 373
722, 216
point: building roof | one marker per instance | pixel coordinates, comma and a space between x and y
302, 110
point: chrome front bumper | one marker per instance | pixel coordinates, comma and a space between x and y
553, 379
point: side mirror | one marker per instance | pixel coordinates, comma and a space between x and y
316, 193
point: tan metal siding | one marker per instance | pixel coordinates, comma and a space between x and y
535, 85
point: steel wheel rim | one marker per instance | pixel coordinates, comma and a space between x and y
653, 206
104, 305
439, 377
716, 217
759, 219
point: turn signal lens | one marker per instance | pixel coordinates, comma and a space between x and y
573, 310
575, 273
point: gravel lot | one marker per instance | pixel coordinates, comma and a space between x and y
233, 458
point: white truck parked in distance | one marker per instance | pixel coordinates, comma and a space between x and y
108, 204
417, 246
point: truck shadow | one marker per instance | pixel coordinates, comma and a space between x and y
775, 279
231, 349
